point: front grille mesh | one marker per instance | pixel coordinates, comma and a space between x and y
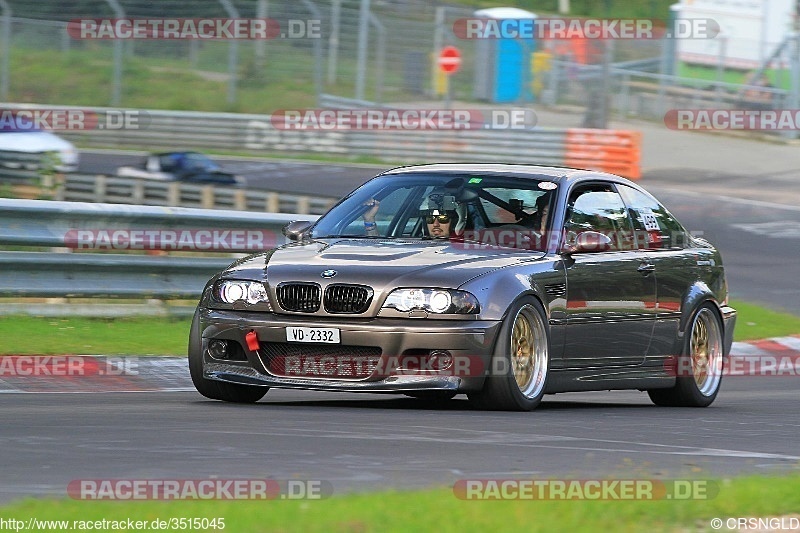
319, 361
347, 298
339, 298
302, 297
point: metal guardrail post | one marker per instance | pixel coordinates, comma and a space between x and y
361, 61
233, 53
333, 40
100, 189
116, 84
380, 56
260, 47
273, 203
626, 94
6, 40
317, 15
794, 93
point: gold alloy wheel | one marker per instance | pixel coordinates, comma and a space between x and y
529, 352
706, 352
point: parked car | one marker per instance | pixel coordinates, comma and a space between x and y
504, 282
36, 141
192, 167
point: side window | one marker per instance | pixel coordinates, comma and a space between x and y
524, 200
599, 208
654, 226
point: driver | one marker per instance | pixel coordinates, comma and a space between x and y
443, 215
438, 223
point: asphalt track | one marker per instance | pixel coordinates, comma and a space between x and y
363, 442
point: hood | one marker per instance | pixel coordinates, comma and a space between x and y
379, 263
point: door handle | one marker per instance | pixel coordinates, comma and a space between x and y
646, 268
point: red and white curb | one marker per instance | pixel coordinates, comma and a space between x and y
76, 373
86, 373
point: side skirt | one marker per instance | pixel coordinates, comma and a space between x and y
594, 379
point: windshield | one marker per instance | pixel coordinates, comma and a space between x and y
506, 211
194, 160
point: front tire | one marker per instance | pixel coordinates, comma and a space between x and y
216, 390
520, 363
702, 358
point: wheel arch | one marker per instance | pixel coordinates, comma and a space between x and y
698, 294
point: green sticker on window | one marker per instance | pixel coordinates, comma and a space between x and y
475, 180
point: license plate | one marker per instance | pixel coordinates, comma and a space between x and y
327, 335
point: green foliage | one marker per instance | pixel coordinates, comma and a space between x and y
439, 510
94, 336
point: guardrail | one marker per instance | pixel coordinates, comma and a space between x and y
19, 166
117, 190
256, 133
127, 232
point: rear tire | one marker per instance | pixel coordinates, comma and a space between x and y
702, 357
216, 390
520, 363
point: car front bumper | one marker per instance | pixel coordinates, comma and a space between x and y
470, 342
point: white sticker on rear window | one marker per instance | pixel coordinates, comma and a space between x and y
650, 221
547, 185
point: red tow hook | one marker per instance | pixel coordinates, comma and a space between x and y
252, 341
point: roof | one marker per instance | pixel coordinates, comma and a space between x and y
559, 174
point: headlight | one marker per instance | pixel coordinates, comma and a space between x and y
433, 300
231, 291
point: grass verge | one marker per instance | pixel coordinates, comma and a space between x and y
439, 510
94, 336
168, 336
756, 322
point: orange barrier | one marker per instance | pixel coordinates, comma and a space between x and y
615, 151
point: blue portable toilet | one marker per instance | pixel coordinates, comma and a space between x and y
506, 76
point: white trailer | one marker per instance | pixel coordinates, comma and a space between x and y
750, 31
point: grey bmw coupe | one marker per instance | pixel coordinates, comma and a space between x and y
502, 282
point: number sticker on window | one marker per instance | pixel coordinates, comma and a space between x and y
650, 221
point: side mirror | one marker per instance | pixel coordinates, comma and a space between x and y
588, 242
295, 231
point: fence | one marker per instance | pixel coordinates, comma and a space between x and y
650, 95
23, 176
384, 54
86, 227
102, 189
607, 150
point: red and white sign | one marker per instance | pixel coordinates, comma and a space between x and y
449, 59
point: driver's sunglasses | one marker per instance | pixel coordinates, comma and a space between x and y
443, 219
